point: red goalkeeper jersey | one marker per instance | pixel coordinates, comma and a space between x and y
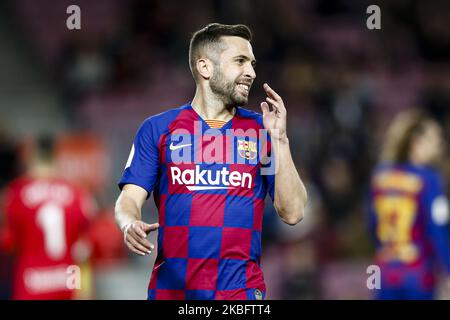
44, 221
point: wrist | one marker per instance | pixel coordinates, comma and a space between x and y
283, 140
125, 227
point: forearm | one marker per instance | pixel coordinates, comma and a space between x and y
290, 192
126, 211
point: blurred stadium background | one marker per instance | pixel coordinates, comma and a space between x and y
341, 83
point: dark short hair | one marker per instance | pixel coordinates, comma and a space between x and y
211, 34
45, 147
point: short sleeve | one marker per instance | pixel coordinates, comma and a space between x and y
436, 205
143, 162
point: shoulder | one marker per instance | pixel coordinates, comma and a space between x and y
17, 184
432, 176
165, 117
247, 115
168, 115
63, 182
381, 168
159, 123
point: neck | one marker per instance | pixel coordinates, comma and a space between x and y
41, 170
208, 106
416, 159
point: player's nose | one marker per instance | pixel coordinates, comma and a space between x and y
249, 72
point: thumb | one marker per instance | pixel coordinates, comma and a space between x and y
265, 108
150, 227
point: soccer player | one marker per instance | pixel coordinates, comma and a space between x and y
45, 219
206, 166
408, 211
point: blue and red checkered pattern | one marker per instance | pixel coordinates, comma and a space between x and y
210, 192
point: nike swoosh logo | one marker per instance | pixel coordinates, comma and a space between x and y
172, 147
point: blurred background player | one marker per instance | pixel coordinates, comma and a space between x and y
46, 218
409, 209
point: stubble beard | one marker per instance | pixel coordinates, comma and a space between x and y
226, 91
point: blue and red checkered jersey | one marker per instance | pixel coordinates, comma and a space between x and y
408, 218
209, 186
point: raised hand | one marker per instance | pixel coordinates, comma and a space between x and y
275, 120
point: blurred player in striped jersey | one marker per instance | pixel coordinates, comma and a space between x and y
408, 210
46, 218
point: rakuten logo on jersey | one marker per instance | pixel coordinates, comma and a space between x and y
198, 179
230, 146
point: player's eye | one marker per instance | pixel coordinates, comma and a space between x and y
240, 61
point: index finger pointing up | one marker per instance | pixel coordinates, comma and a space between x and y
271, 93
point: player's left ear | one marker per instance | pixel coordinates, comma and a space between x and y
205, 68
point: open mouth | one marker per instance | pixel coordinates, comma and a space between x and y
244, 87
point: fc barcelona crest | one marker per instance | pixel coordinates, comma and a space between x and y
247, 149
